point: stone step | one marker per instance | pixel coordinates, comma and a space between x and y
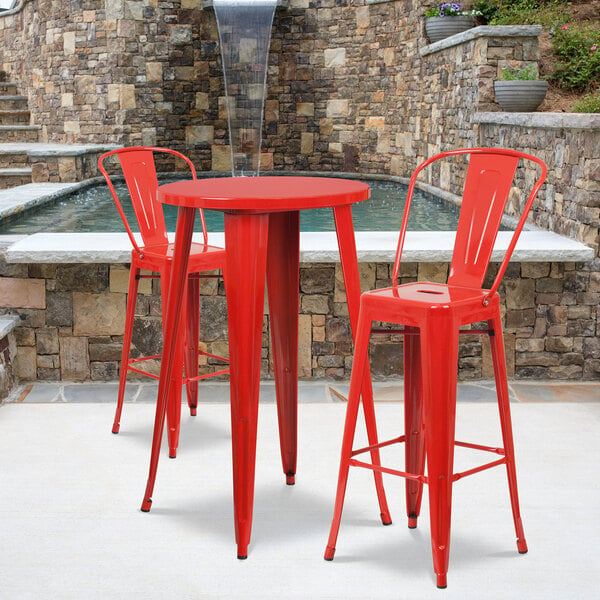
15, 117
19, 133
13, 102
13, 177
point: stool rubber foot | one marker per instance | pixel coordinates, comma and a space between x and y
329, 553
242, 551
412, 522
116, 427
172, 452
522, 546
193, 411
441, 581
146, 504
290, 478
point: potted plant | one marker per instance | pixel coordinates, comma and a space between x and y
448, 19
520, 90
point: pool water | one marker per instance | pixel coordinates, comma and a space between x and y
92, 210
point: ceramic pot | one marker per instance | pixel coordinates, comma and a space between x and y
438, 28
520, 96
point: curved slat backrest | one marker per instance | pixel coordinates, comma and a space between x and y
142, 182
139, 169
487, 186
489, 179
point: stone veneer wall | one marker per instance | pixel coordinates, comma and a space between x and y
348, 89
73, 327
351, 88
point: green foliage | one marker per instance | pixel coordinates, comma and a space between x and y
548, 13
588, 104
529, 73
578, 50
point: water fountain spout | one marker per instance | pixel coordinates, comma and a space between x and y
245, 36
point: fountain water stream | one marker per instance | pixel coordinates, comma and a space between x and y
245, 36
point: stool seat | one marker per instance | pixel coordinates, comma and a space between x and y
201, 256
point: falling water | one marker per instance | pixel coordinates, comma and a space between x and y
245, 35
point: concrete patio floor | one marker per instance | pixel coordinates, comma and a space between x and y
70, 493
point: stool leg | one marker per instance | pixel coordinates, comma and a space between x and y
175, 381
413, 422
499, 362
192, 341
361, 358
439, 359
347, 246
129, 316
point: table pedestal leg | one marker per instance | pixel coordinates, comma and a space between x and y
172, 324
245, 269
282, 284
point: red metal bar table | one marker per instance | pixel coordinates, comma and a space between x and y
262, 224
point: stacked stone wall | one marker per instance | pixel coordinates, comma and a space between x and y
352, 87
73, 320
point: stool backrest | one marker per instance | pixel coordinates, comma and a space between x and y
139, 169
488, 183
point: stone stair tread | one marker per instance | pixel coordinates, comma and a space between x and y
19, 127
5, 172
12, 97
52, 149
12, 111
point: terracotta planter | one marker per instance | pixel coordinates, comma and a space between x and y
438, 28
519, 95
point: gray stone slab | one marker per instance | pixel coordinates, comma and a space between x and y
541, 119
96, 392
482, 31
39, 393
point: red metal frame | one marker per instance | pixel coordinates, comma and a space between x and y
262, 241
156, 254
432, 315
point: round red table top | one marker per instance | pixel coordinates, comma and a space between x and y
264, 194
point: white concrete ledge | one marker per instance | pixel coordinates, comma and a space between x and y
315, 247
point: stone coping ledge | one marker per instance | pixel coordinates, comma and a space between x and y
24, 197
315, 247
16, 171
20, 127
541, 120
42, 149
7, 324
482, 31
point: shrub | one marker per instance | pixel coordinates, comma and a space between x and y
526, 74
578, 50
588, 104
522, 12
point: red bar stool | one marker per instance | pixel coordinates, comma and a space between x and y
156, 255
431, 315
